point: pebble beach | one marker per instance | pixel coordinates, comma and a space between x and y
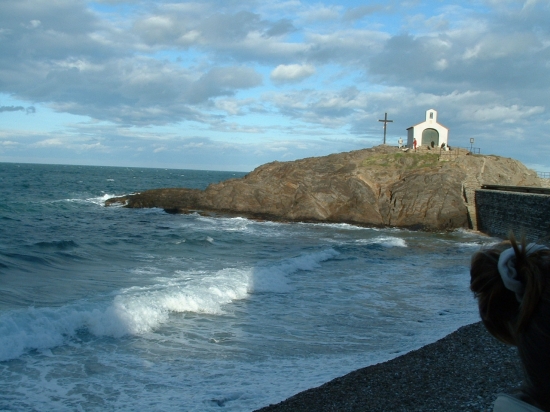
464, 371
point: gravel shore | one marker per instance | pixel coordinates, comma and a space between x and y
462, 372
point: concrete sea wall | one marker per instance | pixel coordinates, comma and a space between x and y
501, 211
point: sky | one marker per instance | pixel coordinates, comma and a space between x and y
230, 85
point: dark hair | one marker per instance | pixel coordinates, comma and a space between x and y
524, 324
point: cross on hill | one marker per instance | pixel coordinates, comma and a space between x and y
386, 121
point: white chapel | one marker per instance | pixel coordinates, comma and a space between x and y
427, 132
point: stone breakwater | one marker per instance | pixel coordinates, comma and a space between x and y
500, 211
464, 371
381, 186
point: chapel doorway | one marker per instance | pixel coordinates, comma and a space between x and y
429, 136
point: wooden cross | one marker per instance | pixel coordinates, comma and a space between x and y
385, 122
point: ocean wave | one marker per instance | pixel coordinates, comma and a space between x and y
386, 241
58, 245
26, 258
148, 271
468, 245
471, 242
133, 311
226, 224
343, 226
273, 278
100, 200
140, 310
97, 200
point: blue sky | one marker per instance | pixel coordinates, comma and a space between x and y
230, 85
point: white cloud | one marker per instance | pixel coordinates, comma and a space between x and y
505, 114
235, 107
503, 45
320, 12
49, 143
442, 64
33, 24
291, 73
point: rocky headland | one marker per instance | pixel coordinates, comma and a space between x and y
380, 186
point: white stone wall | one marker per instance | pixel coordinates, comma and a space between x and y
430, 123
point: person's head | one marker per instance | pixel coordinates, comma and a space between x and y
511, 282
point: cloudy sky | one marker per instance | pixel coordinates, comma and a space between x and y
232, 84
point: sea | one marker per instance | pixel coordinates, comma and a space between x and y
109, 308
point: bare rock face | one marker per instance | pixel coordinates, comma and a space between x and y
382, 186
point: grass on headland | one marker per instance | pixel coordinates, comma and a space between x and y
407, 161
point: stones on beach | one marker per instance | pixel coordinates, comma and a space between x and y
462, 372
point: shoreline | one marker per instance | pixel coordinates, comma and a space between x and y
463, 371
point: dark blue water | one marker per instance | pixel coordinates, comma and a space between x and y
53, 225
105, 308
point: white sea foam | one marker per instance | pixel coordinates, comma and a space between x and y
274, 278
149, 271
132, 312
343, 226
234, 224
468, 245
100, 200
139, 310
387, 241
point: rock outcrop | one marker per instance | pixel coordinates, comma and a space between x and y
381, 186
